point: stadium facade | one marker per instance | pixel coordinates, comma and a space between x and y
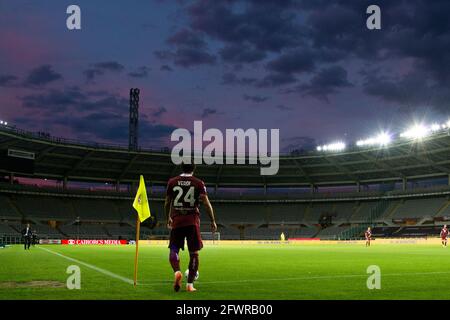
401, 190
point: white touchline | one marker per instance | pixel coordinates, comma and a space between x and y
103, 271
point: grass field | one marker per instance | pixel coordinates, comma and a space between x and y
231, 272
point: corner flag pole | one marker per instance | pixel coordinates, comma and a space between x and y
138, 228
140, 203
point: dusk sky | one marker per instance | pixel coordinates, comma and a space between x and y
310, 68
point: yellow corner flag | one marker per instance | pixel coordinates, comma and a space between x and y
141, 202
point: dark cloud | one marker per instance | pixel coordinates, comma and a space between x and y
276, 79
248, 30
114, 127
90, 74
141, 72
304, 37
54, 101
42, 75
186, 57
166, 67
189, 50
7, 80
263, 25
232, 79
100, 68
236, 53
72, 100
298, 144
90, 116
187, 38
208, 112
293, 62
109, 65
256, 99
327, 81
409, 92
159, 112
282, 107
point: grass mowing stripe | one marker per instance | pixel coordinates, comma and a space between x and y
102, 271
343, 276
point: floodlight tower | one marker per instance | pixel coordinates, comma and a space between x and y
134, 119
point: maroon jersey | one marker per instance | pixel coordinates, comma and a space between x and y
185, 191
444, 233
368, 234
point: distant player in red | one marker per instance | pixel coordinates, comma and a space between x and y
444, 235
183, 197
368, 235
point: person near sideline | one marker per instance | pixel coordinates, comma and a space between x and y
27, 236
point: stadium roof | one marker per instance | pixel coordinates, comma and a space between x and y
57, 158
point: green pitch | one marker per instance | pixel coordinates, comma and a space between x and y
230, 272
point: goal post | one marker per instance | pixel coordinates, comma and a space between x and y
208, 235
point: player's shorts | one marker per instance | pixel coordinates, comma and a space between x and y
444, 238
190, 233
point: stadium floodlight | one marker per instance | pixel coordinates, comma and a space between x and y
418, 131
332, 147
381, 139
436, 127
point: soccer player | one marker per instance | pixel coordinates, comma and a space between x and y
183, 197
368, 235
27, 236
444, 234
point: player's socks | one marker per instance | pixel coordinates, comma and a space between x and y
190, 287
174, 259
193, 267
177, 283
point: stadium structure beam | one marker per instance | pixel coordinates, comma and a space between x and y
8, 143
432, 163
79, 163
218, 175
383, 166
45, 152
133, 134
174, 170
302, 171
339, 166
127, 167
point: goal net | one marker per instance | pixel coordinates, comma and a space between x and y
215, 236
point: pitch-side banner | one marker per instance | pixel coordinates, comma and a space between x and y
93, 242
49, 241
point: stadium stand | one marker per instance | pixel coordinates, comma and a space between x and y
35, 207
7, 230
95, 210
114, 218
417, 208
86, 231
7, 211
279, 213
330, 232
379, 188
